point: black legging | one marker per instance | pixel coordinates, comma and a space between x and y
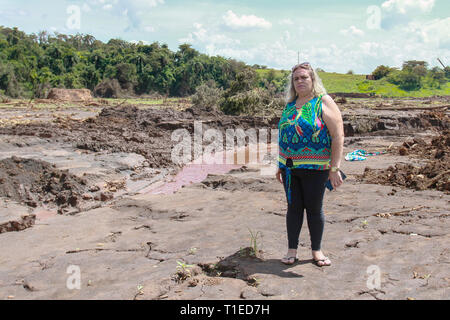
307, 191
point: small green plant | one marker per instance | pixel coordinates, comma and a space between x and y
254, 242
365, 224
140, 289
183, 266
183, 271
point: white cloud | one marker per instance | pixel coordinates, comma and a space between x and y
352, 30
308, 29
371, 49
188, 39
148, 3
130, 9
402, 6
275, 54
433, 33
401, 12
144, 42
86, 8
149, 29
203, 36
427, 42
233, 21
286, 22
410, 40
228, 52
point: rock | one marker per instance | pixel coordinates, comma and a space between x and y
31, 203
403, 151
388, 124
68, 211
26, 221
86, 196
349, 131
73, 200
105, 196
269, 289
340, 100
94, 188
45, 135
250, 293
170, 125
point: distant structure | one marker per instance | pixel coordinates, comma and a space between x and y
370, 77
74, 95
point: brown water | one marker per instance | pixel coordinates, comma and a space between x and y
198, 170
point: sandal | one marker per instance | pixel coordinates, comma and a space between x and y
316, 262
289, 260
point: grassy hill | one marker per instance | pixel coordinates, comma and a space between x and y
337, 82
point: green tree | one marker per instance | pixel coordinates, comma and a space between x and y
126, 74
245, 80
437, 77
381, 72
406, 80
241, 94
411, 64
70, 59
420, 70
89, 76
8, 81
185, 53
447, 72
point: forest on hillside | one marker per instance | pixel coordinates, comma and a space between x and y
31, 64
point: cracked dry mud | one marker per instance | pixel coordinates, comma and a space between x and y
197, 243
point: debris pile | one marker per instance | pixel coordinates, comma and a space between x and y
73, 95
35, 182
435, 174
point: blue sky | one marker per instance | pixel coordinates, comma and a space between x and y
336, 36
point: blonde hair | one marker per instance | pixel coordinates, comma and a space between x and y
317, 85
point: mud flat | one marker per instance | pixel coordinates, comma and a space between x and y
221, 237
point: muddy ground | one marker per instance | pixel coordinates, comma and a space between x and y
93, 186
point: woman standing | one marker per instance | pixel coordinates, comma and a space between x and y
311, 139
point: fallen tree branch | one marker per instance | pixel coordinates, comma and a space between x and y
397, 213
413, 108
435, 179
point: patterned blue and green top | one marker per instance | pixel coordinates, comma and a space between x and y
303, 139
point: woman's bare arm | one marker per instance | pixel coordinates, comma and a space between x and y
332, 117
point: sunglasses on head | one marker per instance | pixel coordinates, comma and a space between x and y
303, 64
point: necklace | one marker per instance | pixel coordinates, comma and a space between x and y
306, 100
